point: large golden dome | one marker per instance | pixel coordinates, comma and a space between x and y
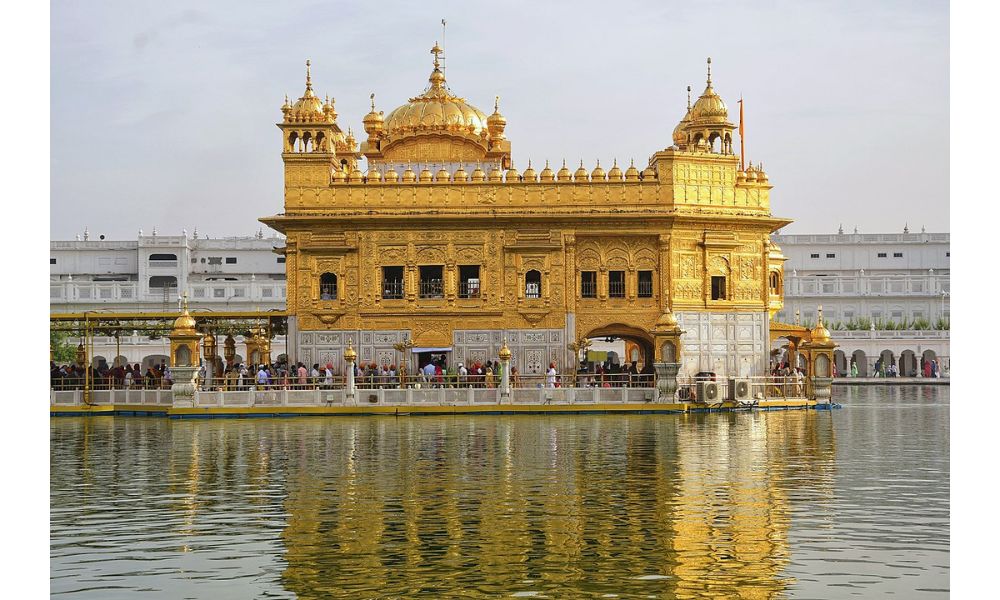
437, 109
438, 126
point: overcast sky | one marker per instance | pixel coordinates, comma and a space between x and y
163, 113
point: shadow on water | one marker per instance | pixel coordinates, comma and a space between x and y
762, 505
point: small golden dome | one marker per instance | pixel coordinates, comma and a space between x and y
391, 176
373, 176
631, 174
350, 141
339, 176
820, 334
581, 173
495, 174
355, 176
425, 175
350, 354
615, 174
529, 174
373, 121
563, 174
460, 175
741, 176
496, 122
751, 173
598, 173
546, 174
504, 351
512, 176
309, 108
184, 324
328, 109
649, 173
442, 175
761, 175
408, 175
478, 176
709, 106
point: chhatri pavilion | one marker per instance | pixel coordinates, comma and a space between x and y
438, 241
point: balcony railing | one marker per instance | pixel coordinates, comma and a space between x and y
867, 285
588, 289
393, 290
432, 288
468, 289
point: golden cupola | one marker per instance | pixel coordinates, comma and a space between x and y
309, 108
309, 127
496, 122
439, 127
374, 122
680, 134
708, 128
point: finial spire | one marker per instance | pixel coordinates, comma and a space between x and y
496, 104
436, 51
309, 84
373, 101
709, 71
689, 97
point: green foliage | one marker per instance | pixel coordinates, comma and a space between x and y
920, 324
942, 324
836, 326
63, 348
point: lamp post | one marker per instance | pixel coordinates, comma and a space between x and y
576, 347
504, 371
229, 350
211, 350
403, 348
350, 356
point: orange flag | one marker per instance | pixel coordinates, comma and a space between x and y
742, 150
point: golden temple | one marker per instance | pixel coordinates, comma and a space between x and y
443, 242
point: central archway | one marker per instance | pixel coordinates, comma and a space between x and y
638, 348
637, 336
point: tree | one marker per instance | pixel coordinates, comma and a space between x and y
63, 349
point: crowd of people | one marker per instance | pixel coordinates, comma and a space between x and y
103, 377
436, 373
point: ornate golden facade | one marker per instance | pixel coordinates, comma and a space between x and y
558, 255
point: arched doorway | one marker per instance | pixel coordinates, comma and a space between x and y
840, 360
620, 346
908, 363
885, 359
925, 361
860, 359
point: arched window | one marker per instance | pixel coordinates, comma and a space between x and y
327, 286
162, 281
533, 284
775, 283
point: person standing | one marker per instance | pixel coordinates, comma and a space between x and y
552, 376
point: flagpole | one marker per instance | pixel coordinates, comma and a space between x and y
742, 148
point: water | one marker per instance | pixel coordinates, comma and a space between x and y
797, 504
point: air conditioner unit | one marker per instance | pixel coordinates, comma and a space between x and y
740, 390
709, 392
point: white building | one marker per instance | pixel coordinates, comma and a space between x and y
856, 278
883, 295
151, 272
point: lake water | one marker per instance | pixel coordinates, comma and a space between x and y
796, 504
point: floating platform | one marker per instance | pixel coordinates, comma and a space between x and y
419, 410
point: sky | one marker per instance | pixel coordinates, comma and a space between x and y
163, 113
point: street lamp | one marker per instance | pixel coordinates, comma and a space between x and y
576, 347
403, 348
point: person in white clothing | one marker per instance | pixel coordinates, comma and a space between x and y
552, 376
